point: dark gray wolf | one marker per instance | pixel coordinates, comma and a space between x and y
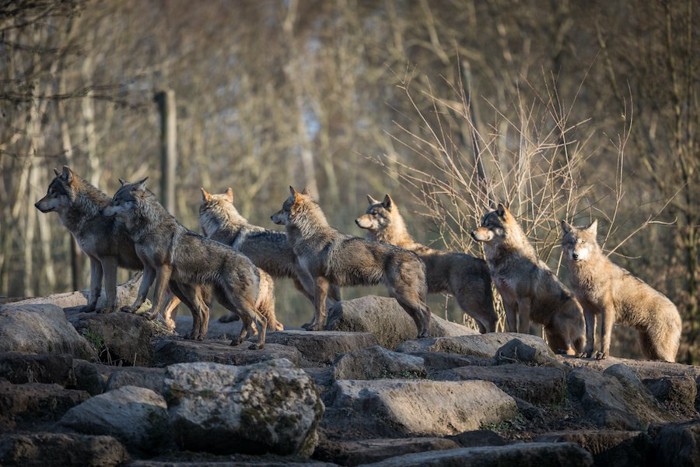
464, 276
267, 249
330, 257
169, 250
529, 289
606, 289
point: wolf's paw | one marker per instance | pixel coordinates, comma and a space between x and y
601, 355
106, 310
88, 308
307, 326
127, 309
229, 318
258, 346
236, 342
423, 335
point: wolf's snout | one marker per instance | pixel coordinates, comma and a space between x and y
574, 256
473, 234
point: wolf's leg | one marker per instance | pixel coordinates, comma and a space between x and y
511, 308
524, 315
320, 294
590, 317
95, 285
109, 269
149, 274
163, 274
173, 301
480, 307
608, 320
204, 313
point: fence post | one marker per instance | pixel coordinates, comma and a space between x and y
168, 147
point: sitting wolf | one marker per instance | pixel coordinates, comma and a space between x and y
168, 249
332, 258
606, 289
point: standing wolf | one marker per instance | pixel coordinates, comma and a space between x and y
169, 250
529, 289
606, 289
267, 249
331, 257
465, 277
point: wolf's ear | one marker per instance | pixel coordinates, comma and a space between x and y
205, 195
229, 194
141, 184
55, 170
371, 200
501, 210
593, 228
388, 203
67, 174
565, 226
122, 181
292, 191
305, 191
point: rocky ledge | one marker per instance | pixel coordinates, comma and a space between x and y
117, 389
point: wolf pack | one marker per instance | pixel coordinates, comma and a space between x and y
235, 263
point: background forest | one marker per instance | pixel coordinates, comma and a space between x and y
563, 109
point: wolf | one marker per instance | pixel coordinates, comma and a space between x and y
268, 249
168, 251
330, 257
529, 289
465, 277
605, 289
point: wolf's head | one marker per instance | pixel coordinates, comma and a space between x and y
127, 199
495, 225
379, 214
297, 203
217, 210
579, 244
62, 192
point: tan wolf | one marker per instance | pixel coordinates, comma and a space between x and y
330, 257
605, 289
464, 276
169, 250
267, 249
529, 289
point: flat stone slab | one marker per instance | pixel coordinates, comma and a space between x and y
543, 454
322, 347
20, 368
537, 385
376, 362
61, 449
33, 402
403, 408
476, 345
608, 447
170, 351
373, 450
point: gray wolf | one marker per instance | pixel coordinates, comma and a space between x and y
168, 251
605, 289
465, 277
330, 257
529, 289
267, 249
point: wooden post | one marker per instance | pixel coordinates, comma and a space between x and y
168, 147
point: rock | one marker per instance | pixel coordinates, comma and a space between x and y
477, 345
41, 329
676, 392
322, 347
373, 450
61, 449
537, 385
614, 401
149, 378
265, 407
20, 368
136, 416
542, 454
35, 402
437, 361
608, 447
404, 408
91, 377
121, 338
376, 362
169, 351
476, 438
385, 318
516, 351
126, 294
677, 444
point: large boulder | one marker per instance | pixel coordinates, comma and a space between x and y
403, 408
20, 368
376, 362
476, 345
608, 447
138, 417
322, 347
61, 449
169, 351
121, 338
35, 402
40, 329
385, 318
266, 407
677, 444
